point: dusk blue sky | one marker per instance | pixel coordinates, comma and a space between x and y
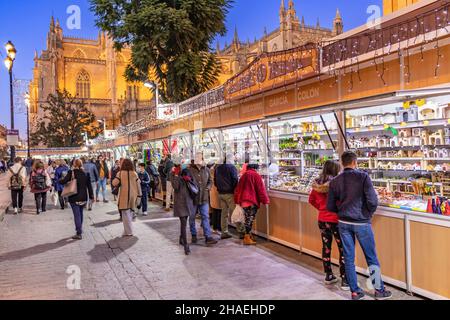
26, 23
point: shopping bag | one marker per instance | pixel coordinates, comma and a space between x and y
54, 197
70, 189
238, 215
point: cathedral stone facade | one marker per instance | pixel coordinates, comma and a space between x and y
91, 70
291, 33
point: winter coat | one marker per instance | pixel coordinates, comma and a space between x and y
105, 169
145, 180
162, 176
48, 181
251, 189
202, 177
226, 178
352, 196
114, 171
318, 198
91, 169
60, 173
130, 192
152, 172
214, 193
168, 166
15, 169
183, 202
84, 185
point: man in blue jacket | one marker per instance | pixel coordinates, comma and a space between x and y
353, 197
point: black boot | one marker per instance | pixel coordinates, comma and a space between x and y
38, 207
194, 239
181, 241
187, 250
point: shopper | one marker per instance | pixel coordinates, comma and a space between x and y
328, 222
16, 180
184, 206
169, 190
163, 180
84, 193
145, 186
154, 179
90, 168
60, 173
202, 178
40, 184
51, 170
214, 203
249, 194
226, 181
130, 194
29, 165
353, 197
103, 176
114, 171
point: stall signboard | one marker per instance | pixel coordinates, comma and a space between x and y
167, 112
12, 137
110, 134
273, 70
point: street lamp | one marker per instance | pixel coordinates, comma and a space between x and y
153, 85
9, 63
104, 125
28, 104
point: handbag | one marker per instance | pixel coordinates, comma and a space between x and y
115, 190
54, 197
70, 189
192, 188
238, 215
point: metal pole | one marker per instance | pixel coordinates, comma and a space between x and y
328, 132
28, 132
13, 148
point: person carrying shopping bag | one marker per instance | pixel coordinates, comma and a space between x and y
40, 184
129, 195
60, 173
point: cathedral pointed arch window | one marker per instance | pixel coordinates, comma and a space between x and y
83, 85
78, 54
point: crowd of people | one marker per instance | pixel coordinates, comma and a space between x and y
345, 199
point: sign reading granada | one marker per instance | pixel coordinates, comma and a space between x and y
273, 70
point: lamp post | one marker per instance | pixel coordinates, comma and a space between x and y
9, 63
153, 85
104, 126
28, 104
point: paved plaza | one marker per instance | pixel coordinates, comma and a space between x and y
38, 257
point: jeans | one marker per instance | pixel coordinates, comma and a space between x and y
101, 184
62, 201
94, 187
228, 206
144, 199
203, 209
366, 239
17, 198
78, 217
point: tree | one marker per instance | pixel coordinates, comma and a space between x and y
170, 40
65, 121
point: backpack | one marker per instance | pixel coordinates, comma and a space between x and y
39, 181
16, 181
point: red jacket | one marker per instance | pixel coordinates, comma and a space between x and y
318, 198
251, 189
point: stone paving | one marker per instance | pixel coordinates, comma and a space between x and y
36, 253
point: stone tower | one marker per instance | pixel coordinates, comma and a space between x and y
338, 24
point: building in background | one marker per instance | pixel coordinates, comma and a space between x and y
3, 144
390, 6
291, 33
91, 70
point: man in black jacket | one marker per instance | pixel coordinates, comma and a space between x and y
169, 189
226, 181
353, 197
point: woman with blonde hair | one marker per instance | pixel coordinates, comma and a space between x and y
84, 193
129, 196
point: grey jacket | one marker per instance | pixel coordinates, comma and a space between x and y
91, 169
202, 177
183, 203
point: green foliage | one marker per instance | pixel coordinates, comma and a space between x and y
170, 40
64, 123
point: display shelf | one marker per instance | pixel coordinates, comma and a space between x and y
409, 125
403, 159
288, 159
407, 148
302, 134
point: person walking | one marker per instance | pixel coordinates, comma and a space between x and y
163, 180
214, 203
29, 166
184, 206
249, 194
90, 168
114, 171
328, 222
145, 186
84, 193
60, 173
169, 189
16, 180
130, 194
103, 175
40, 184
226, 181
352, 196
154, 179
202, 178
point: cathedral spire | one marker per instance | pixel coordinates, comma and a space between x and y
338, 24
52, 23
236, 36
318, 23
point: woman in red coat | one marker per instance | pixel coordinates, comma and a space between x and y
328, 222
249, 194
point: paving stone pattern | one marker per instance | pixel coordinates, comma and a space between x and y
36, 252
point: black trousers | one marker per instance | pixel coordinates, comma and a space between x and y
62, 202
41, 201
183, 229
152, 190
215, 218
17, 198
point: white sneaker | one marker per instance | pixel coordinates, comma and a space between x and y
16, 211
145, 213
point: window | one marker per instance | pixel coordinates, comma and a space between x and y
79, 54
83, 85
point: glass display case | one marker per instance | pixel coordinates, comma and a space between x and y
300, 147
405, 147
209, 143
182, 147
155, 151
